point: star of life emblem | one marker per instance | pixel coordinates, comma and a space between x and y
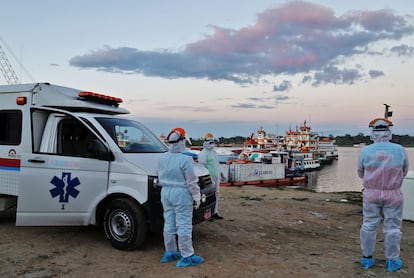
64, 187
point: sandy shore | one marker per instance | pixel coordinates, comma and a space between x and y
267, 232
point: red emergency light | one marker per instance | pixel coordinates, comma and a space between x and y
21, 100
100, 98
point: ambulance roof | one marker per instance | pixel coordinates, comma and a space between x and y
45, 94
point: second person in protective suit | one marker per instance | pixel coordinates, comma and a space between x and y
382, 166
209, 158
179, 193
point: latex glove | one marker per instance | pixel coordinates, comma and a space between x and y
197, 204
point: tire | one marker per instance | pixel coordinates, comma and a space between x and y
125, 224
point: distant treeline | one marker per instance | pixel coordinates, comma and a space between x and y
348, 140
341, 141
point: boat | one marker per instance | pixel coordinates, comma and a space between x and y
327, 150
293, 167
225, 153
271, 160
253, 171
305, 161
359, 145
288, 181
407, 190
302, 145
247, 172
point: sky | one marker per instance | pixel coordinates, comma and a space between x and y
226, 67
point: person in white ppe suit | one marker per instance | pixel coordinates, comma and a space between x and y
209, 158
382, 166
179, 194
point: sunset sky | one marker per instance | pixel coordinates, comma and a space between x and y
226, 67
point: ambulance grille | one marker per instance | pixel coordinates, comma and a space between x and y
204, 181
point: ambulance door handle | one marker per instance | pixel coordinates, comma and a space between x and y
36, 160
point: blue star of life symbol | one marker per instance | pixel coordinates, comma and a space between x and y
64, 187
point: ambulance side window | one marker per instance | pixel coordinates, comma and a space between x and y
62, 134
73, 138
39, 119
11, 127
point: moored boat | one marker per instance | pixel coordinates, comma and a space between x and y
327, 150
359, 145
302, 145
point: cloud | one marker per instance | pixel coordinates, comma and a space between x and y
336, 76
257, 102
256, 99
245, 106
188, 108
284, 86
253, 106
376, 73
306, 78
281, 98
403, 50
297, 37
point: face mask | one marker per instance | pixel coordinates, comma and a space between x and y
209, 145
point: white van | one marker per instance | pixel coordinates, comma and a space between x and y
69, 157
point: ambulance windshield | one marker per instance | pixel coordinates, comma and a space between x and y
131, 136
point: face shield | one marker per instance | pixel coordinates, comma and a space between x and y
177, 140
380, 130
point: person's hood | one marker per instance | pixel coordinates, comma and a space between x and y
178, 147
381, 135
209, 144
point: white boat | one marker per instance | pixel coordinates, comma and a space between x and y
327, 150
359, 145
306, 161
407, 190
302, 145
226, 153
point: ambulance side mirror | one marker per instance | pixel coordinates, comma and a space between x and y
98, 150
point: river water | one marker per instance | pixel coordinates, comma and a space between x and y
342, 175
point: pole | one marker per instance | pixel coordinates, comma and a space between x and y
387, 113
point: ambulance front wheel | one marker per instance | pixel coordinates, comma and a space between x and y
125, 224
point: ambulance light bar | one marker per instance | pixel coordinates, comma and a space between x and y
100, 98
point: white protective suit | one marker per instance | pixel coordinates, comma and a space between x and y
179, 189
209, 158
382, 166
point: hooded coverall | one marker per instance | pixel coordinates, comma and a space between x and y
209, 158
179, 189
382, 166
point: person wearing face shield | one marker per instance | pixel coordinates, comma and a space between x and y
209, 158
179, 194
382, 166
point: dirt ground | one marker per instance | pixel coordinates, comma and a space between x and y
267, 232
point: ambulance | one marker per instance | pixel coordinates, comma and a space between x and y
71, 157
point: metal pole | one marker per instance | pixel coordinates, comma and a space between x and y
386, 111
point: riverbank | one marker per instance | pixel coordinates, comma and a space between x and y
267, 232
